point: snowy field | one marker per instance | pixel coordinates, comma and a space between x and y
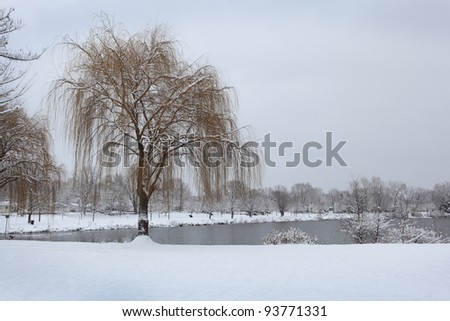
75, 221
143, 270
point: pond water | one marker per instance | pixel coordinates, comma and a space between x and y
327, 232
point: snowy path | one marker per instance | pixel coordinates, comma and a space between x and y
143, 270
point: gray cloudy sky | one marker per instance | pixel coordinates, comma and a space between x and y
375, 73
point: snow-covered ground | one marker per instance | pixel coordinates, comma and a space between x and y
143, 270
75, 221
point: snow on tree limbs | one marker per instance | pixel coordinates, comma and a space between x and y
137, 91
26, 164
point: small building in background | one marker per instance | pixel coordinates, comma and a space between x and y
6, 207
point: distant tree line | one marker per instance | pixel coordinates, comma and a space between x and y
91, 191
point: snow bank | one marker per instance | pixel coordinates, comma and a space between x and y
75, 221
142, 270
142, 242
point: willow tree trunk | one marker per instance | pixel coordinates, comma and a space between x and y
143, 196
143, 215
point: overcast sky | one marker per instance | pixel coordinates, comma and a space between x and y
376, 73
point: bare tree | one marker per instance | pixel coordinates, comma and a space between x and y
359, 196
86, 188
42, 194
114, 192
302, 195
395, 189
131, 188
11, 87
267, 205
235, 192
281, 197
24, 148
252, 201
336, 200
178, 194
24, 141
26, 164
411, 199
360, 226
441, 197
378, 195
136, 92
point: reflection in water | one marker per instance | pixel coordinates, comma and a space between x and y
327, 232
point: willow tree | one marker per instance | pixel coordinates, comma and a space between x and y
26, 163
25, 157
136, 93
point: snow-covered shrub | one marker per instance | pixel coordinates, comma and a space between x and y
376, 228
291, 236
367, 227
409, 233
